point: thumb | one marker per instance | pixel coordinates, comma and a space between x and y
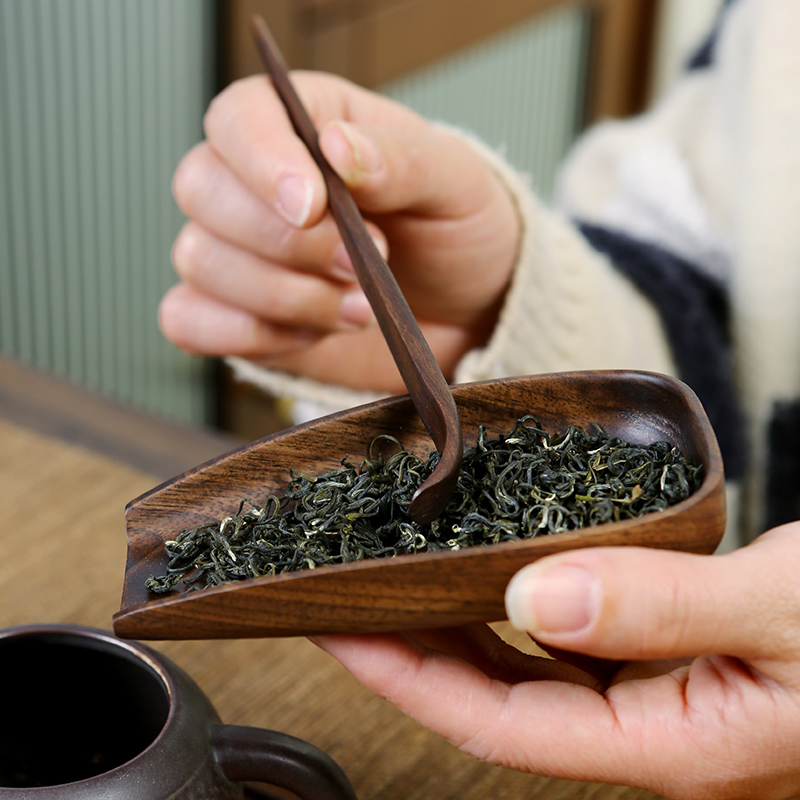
640, 603
416, 168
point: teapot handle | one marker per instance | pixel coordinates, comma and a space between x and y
255, 754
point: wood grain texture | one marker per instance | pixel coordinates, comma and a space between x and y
141, 440
415, 591
620, 57
373, 42
63, 552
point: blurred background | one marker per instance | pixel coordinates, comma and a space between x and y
99, 99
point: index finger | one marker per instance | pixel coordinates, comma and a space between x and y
248, 127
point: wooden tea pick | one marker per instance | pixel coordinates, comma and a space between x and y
421, 374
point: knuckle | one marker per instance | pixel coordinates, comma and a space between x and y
218, 110
224, 107
213, 112
189, 179
674, 624
172, 318
187, 252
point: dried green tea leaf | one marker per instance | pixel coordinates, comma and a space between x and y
515, 486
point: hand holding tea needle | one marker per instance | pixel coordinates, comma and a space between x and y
264, 274
703, 695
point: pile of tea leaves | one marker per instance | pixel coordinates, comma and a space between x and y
515, 486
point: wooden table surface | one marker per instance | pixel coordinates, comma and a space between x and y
69, 462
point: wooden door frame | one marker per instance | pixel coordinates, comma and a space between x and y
367, 40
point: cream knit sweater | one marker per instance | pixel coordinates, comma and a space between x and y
674, 246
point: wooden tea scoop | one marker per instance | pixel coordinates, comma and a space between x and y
414, 591
421, 374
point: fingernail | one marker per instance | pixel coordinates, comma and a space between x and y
295, 195
343, 266
364, 153
355, 311
559, 599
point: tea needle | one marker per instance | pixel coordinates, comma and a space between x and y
421, 374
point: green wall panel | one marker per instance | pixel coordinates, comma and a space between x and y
98, 101
521, 92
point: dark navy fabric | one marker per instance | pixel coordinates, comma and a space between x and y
694, 311
782, 500
704, 55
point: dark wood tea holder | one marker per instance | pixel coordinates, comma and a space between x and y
411, 591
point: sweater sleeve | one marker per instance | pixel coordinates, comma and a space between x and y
567, 308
